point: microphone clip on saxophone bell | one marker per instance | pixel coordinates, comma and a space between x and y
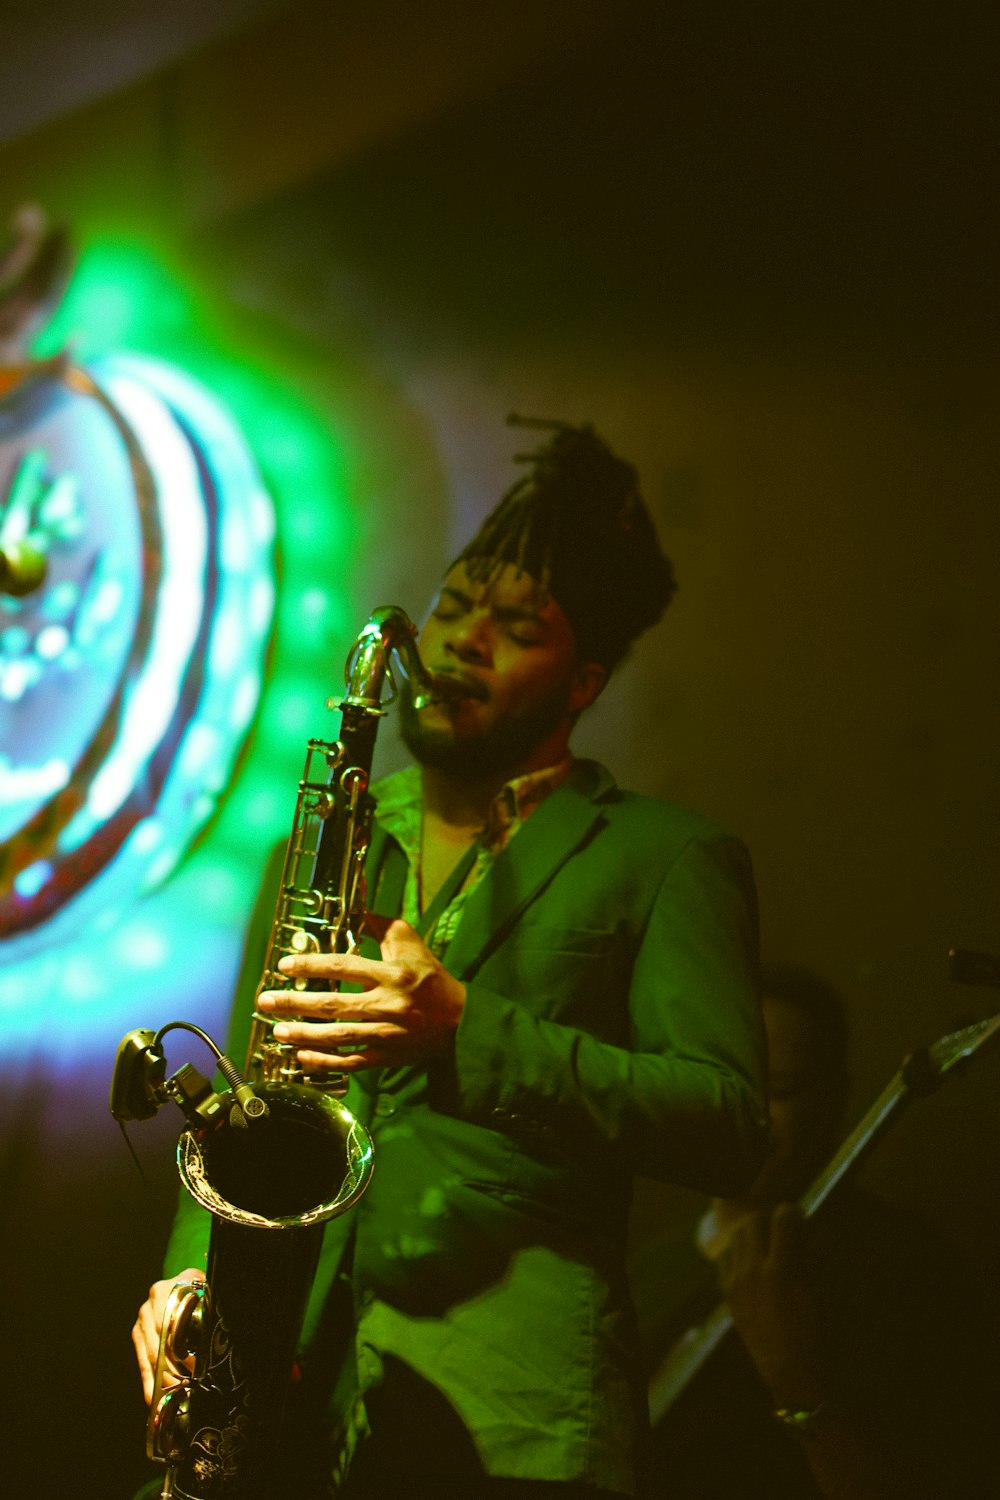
139, 1085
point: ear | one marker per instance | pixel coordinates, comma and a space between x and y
586, 685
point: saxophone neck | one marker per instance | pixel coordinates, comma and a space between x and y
389, 633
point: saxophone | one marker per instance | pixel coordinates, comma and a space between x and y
321, 905
276, 1155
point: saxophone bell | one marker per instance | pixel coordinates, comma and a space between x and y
270, 1190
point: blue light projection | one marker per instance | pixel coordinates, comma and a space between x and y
156, 691
128, 680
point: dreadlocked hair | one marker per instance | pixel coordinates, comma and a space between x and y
576, 523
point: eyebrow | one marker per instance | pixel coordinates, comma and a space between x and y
505, 612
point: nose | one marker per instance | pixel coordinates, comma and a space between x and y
468, 640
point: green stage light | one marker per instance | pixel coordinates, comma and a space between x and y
166, 350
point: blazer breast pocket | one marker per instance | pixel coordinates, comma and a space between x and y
568, 974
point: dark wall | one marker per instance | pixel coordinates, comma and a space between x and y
757, 253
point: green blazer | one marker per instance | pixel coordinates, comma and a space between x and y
611, 1028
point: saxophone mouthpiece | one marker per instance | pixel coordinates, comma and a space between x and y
433, 690
452, 687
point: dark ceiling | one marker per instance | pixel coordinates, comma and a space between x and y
792, 160
59, 55
824, 169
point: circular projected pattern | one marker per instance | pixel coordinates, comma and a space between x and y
130, 676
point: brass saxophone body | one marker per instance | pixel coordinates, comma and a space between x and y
321, 902
273, 1176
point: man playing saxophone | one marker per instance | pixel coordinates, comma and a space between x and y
563, 995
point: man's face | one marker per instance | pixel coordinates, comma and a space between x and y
805, 1106
510, 652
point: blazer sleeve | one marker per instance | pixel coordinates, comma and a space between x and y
684, 1102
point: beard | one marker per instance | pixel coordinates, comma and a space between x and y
493, 752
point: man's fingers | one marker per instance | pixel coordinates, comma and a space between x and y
744, 1250
146, 1332
142, 1355
351, 966
316, 1005
347, 1062
146, 1340
788, 1229
750, 1239
340, 1034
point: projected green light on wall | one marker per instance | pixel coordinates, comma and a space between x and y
213, 748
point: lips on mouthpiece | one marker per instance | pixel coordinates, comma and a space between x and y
447, 685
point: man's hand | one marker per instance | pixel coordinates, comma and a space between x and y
407, 1012
764, 1277
146, 1332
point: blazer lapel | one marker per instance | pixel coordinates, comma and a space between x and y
554, 831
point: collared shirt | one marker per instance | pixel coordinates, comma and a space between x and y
400, 811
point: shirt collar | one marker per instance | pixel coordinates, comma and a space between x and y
400, 806
518, 799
